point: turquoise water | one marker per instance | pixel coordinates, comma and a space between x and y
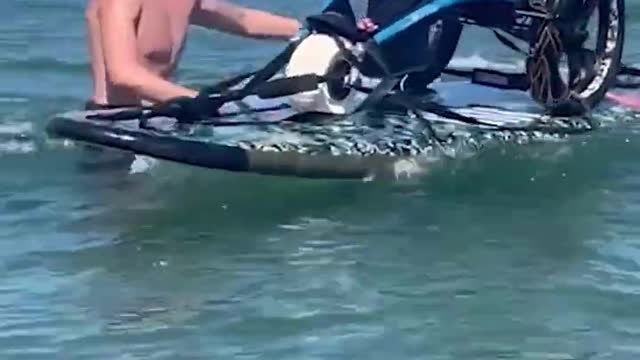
529, 252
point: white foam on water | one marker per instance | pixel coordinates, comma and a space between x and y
17, 147
142, 164
13, 100
16, 128
15, 138
477, 61
55, 143
407, 169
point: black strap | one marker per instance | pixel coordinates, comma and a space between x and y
225, 84
388, 81
628, 70
270, 89
630, 78
492, 78
275, 88
271, 68
417, 106
508, 43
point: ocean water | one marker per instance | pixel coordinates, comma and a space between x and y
524, 252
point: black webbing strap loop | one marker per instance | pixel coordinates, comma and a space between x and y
271, 68
225, 84
388, 80
628, 70
492, 78
443, 111
275, 88
628, 82
436, 109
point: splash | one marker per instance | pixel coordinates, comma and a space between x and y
17, 138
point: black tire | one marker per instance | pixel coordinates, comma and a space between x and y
559, 96
442, 41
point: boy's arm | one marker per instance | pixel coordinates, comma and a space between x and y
252, 23
95, 50
117, 18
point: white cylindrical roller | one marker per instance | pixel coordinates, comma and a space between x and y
320, 54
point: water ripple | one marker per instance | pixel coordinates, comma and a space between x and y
54, 65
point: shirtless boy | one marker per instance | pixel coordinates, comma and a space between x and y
135, 45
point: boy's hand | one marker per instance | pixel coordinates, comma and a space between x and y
367, 25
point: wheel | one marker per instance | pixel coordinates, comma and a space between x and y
322, 55
566, 77
442, 40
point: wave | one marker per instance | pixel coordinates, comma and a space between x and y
48, 64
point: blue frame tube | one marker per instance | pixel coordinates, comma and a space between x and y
415, 16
